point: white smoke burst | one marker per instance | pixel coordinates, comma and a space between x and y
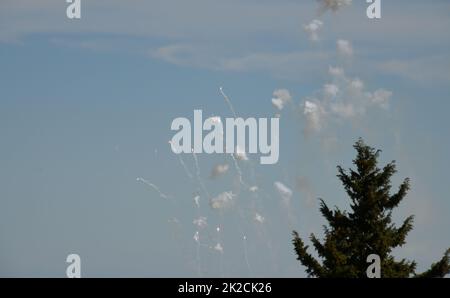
314, 114
346, 98
219, 170
330, 90
196, 237
280, 98
344, 48
223, 201
240, 154
312, 29
197, 201
200, 222
219, 248
253, 188
336, 72
380, 97
340, 98
333, 5
259, 218
284, 192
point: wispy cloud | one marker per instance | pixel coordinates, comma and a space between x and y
228, 35
421, 69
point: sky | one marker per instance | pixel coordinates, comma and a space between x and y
86, 107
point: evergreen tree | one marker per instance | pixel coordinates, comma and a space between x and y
367, 229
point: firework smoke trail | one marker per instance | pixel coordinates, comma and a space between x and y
238, 169
235, 162
161, 194
199, 178
196, 199
228, 101
246, 255
262, 232
199, 224
197, 203
197, 168
286, 194
259, 222
240, 212
236, 165
243, 222
199, 264
244, 237
241, 180
198, 260
219, 249
260, 195
188, 173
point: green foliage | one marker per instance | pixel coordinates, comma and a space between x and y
351, 237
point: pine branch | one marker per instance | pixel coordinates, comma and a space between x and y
317, 245
395, 199
326, 212
402, 232
439, 269
313, 267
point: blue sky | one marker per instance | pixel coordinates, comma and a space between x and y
86, 107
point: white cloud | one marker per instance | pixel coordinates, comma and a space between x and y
171, 53
434, 69
207, 39
186, 55
169, 19
299, 65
